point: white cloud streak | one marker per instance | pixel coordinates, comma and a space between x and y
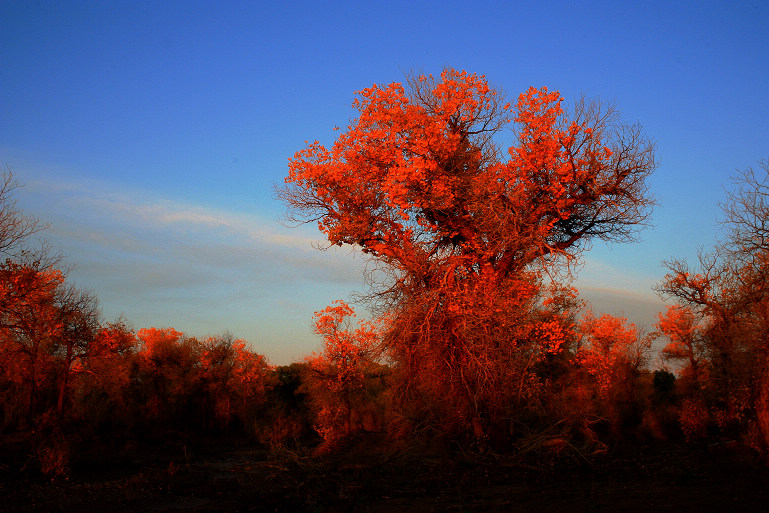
198, 269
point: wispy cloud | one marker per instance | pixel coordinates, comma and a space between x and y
197, 268
150, 210
617, 291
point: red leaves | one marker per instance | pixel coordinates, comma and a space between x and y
115, 338
30, 320
418, 182
347, 353
26, 290
612, 347
157, 341
390, 165
419, 168
339, 371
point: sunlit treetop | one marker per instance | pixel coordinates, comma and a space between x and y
418, 177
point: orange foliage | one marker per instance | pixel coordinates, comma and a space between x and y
465, 235
339, 372
234, 377
726, 352
69, 377
679, 324
30, 328
168, 366
346, 354
114, 339
229, 380
156, 341
413, 174
614, 348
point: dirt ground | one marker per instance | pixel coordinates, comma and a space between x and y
719, 477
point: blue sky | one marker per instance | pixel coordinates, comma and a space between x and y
150, 135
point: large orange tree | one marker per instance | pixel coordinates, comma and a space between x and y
463, 231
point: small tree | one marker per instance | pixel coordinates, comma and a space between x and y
102, 378
747, 217
681, 326
613, 353
168, 373
28, 288
339, 372
78, 317
234, 379
29, 331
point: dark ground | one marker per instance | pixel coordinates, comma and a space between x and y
217, 478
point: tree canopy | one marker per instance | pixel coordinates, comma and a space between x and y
420, 181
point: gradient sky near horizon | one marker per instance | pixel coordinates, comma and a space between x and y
150, 135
